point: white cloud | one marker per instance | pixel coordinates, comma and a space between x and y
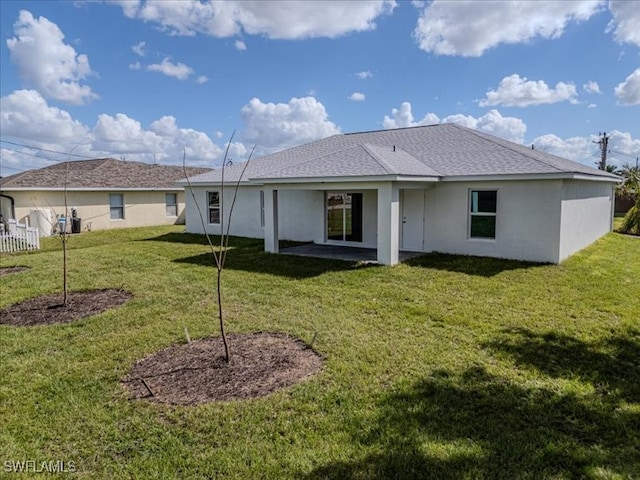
579, 149
470, 27
628, 92
26, 117
121, 134
591, 87
46, 63
281, 19
198, 146
403, 117
170, 69
277, 126
25, 114
516, 91
163, 141
240, 45
357, 97
135, 66
585, 150
364, 75
138, 49
625, 22
592, 105
510, 128
202, 79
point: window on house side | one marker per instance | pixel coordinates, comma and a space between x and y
214, 207
116, 206
262, 208
482, 213
171, 200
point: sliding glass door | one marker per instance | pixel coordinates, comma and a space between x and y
344, 216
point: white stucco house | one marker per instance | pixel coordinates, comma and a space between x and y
440, 188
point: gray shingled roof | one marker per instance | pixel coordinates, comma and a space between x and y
99, 174
445, 150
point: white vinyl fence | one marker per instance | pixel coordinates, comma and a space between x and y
18, 237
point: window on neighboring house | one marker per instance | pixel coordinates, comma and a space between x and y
171, 200
482, 213
116, 206
262, 208
214, 206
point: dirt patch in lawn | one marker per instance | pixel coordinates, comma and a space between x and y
48, 309
8, 270
196, 372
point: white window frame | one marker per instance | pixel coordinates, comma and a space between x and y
213, 207
113, 207
472, 214
171, 204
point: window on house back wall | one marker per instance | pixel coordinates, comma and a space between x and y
482, 213
214, 206
171, 200
116, 206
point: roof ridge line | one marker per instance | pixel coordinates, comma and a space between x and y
479, 134
302, 162
376, 157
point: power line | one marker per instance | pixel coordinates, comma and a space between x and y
622, 153
46, 150
22, 152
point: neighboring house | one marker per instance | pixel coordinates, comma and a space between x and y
440, 188
105, 193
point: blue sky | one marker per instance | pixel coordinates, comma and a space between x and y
145, 80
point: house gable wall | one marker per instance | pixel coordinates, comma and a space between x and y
586, 214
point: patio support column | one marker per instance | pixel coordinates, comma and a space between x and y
388, 223
271, 243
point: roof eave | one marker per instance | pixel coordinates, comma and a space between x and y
91, 189
345, 179
531, 176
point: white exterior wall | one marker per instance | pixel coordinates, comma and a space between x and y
539, 221
300, 213
369, 218
586, 214
142, 208
527, 221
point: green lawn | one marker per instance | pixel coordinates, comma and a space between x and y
446, 367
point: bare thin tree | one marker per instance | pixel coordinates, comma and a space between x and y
220, 252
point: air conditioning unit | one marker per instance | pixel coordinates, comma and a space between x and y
42, 218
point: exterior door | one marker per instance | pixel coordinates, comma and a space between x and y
412, 225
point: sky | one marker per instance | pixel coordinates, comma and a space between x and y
156, 81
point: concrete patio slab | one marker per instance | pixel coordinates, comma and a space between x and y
338, 252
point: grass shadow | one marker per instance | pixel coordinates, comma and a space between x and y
612, 365
248, 255
476, 425
272, 264
470, 265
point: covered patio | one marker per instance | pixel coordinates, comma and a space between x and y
339, 252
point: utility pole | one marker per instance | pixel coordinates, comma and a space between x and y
604, 147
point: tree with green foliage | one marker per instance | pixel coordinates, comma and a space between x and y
631, 188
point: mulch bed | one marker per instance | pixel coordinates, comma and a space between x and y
48, 309
8, 270
195, 373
